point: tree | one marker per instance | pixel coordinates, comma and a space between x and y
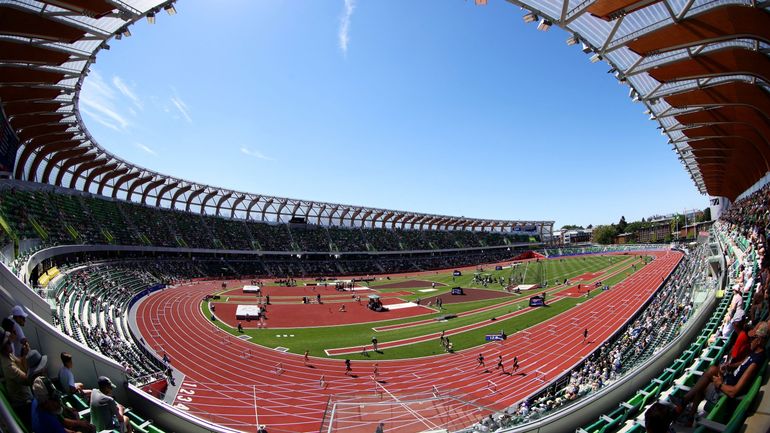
572, 227
590, 226
707, 214
605, 234
622, 224
678, 222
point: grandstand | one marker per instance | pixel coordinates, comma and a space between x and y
90, 242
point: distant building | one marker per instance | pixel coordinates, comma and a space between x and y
572, 237
659, 232
624, 238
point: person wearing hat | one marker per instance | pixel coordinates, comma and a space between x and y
19, 373
48, 412
262, 429
46, 407
731, 380
106, 413
742, 344
19, 317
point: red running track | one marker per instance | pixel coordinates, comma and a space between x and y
235, 383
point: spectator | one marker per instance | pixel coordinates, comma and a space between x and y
67, 379
48, 413
742, 343
46, 406
18, 374
658, 419
106, 413
19, 319
731, 380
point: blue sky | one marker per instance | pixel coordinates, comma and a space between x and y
433, 106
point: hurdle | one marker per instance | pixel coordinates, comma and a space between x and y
575, 321
491, 386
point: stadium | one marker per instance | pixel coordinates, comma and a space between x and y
145, 302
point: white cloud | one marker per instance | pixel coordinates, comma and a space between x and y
98, 100
182, 107
104, 114
255, 153
145, 148
126, 91
344, 31
95, 84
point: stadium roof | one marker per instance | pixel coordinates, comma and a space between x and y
700, 67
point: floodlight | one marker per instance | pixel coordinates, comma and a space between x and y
544, 25
169, 8
126, 32
587, 48
118, 36
573, 40
530, 18
151, 17
596, 57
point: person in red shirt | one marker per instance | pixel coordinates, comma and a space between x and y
742, 343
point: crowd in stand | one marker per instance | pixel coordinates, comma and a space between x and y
654, 327
744, 230
167, 267
93, 304
40, 402
60, 218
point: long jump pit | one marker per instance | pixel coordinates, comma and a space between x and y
469, 295
327, 314
408, 284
